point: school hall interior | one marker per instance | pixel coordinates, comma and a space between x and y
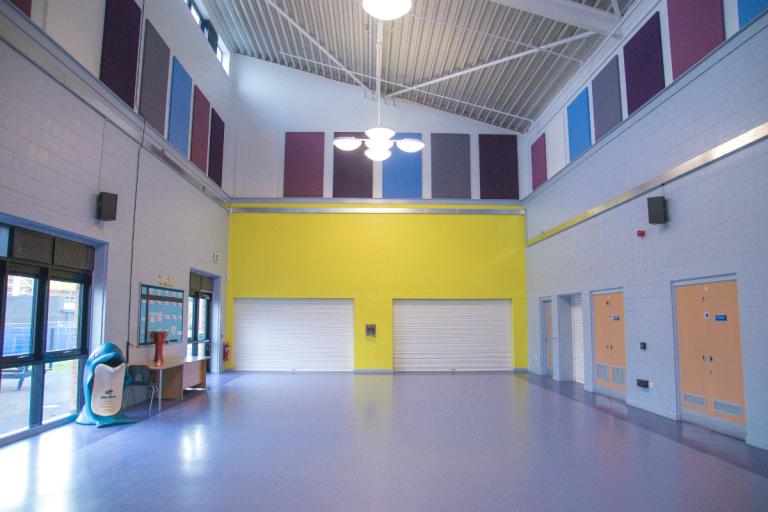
384, 255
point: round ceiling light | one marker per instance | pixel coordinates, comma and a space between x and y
378, 156
380, 133
387, 10
379, 144
410, 145
347, 143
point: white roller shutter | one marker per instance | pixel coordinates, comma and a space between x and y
294, 334
447, 335
577, 323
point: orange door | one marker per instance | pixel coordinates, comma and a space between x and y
711, 378
610, 342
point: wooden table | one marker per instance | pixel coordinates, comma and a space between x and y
182, 373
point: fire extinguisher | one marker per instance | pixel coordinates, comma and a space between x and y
226, 351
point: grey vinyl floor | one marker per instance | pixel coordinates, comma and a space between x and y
342, 442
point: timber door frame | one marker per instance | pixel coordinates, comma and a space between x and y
546, 341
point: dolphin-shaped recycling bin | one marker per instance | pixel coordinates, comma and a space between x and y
103, 384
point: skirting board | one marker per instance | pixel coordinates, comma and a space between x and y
660, 412
759, 443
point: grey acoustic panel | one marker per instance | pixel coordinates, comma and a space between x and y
31, 246
72, 254
154, 79
606, 99
450, 166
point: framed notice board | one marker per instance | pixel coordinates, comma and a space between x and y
161, 309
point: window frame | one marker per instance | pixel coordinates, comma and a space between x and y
82, 329
34, 355
193, 341
39, 357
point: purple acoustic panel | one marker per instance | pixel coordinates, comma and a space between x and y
201, 122
216, 152
303, 168
352, 171
696, 27
498, 167
644, 65
24, 6
120, 48
539, 161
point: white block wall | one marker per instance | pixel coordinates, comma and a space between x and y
718, 226
77, 26
275, 99
56, 154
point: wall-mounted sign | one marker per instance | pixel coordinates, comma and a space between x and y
721, 318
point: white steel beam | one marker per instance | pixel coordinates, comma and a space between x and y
314, 41
567, 11
496, 62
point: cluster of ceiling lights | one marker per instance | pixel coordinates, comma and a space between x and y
379, 143
379, 140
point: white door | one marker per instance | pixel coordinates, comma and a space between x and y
294, 335
577, 323
448, 335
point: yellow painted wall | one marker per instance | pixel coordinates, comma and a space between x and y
376, 258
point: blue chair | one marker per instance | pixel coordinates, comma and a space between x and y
141, 376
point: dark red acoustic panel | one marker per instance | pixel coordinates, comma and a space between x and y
696, 27
539, 161
352, 171
498, 167
120, 48
303, 168
644, 64
216, 153
201, 121
24, 6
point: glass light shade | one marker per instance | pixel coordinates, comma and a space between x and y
378, 156
380, 133
410, 145
387, 10
379, 144
347, 143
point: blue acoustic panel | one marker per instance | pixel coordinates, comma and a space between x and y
180, 108
579, 126
750, 10
401, 173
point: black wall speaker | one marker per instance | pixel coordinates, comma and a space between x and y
657, 210
106, 206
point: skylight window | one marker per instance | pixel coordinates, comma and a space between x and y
219, 48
